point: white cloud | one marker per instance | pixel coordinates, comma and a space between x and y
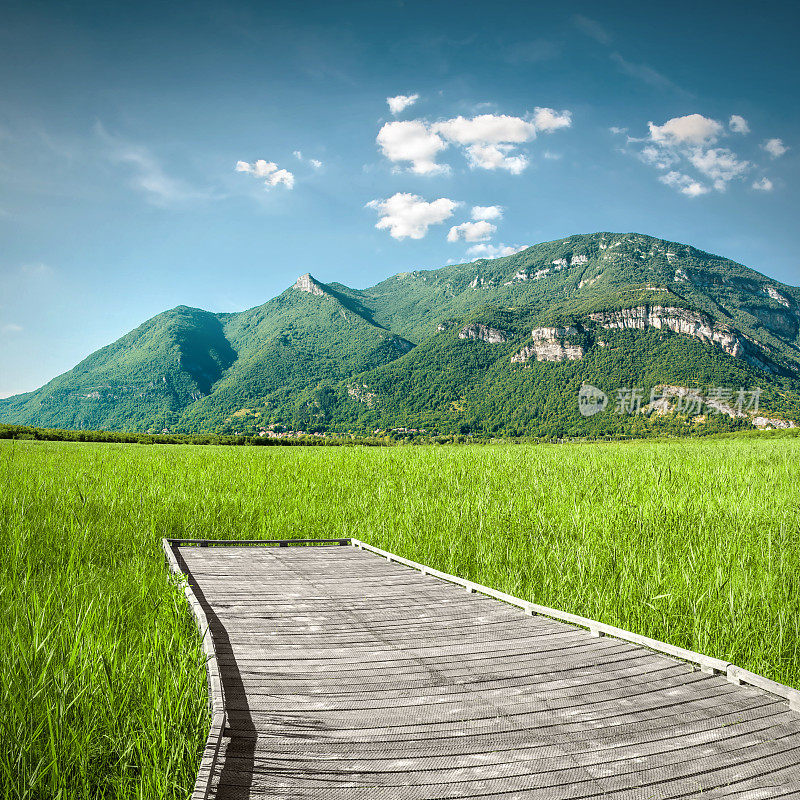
480, 231
738, 124
486, 129
552, 156
487, 212
414, 142
269, 171
685, 184
548, 120
775, 147
719, 164
763, 185
490, 139
493, 250
401, 102
409, 216
496, 156
617, 131
281, 176
298, 155
11, 327
693, 129
684, 144
658, 157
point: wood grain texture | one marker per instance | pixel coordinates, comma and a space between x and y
347, 675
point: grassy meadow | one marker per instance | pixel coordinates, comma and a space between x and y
102, 683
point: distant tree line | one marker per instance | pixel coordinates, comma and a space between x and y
62, 435
384, 439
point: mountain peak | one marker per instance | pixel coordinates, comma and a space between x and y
308, 283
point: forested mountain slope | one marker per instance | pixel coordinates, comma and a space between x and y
490, 346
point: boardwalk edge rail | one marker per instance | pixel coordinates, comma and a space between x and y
734, 674
216, 699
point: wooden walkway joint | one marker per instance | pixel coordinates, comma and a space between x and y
336, 674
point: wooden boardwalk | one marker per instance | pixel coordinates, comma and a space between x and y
348, 676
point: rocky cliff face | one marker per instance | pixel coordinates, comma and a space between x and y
307, 283
767, 423
549, 345
683, 399
679, 320
784, 324
484, 333
362, 394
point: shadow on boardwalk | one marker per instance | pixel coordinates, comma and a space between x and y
241, 743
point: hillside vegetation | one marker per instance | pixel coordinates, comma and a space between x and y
485, 348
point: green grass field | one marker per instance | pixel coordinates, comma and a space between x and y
102, 679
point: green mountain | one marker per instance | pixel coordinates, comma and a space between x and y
491, 346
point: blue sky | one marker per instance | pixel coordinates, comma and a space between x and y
153, 155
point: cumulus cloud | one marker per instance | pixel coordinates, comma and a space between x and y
486, 212
683, 145
719, 164
316, 163
412, 141
489, 141
658, 157
409, 216
693, 129
480, 231
763, 185
738, 124
401, 102
486, 129
775, 147
493, 250
548, 120
496, 156
268, 171
685, 184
